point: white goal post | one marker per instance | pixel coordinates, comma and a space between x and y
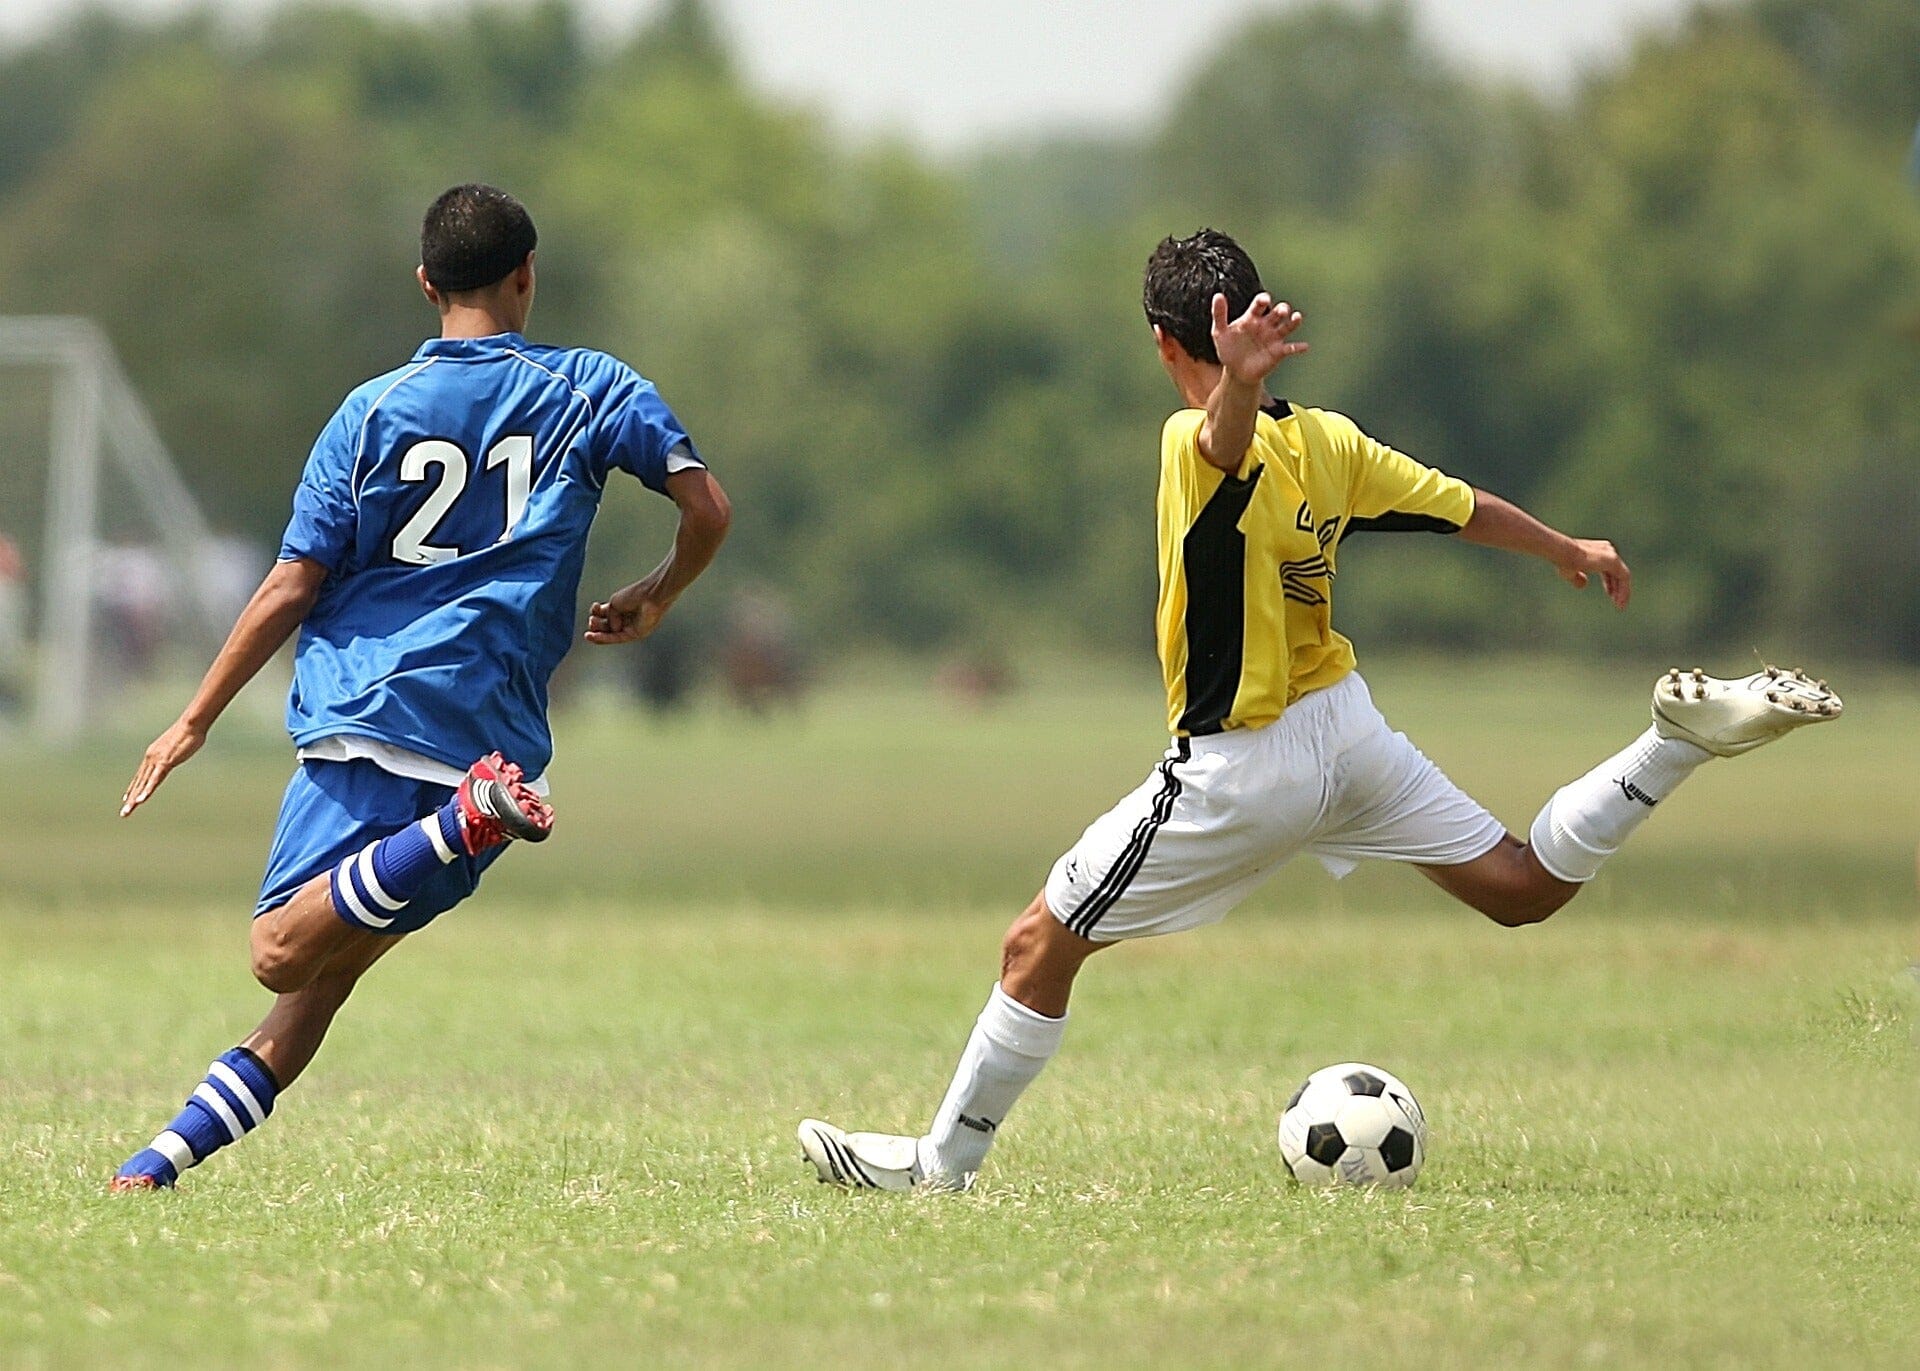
96, 418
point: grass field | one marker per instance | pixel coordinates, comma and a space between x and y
1673, 1127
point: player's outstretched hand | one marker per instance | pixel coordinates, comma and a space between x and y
1251, 346
1595, 557
167, 751
628, 615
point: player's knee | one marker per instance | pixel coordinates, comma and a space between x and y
275, 964
1024, 942
1034, 940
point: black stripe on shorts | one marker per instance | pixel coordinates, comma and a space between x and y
1134, 855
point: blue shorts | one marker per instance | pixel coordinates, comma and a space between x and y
334, 809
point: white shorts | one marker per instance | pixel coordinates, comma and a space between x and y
1220, 813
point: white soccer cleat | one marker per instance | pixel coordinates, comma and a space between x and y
868, 1161
1730, 717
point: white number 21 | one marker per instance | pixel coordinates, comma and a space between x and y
515, 451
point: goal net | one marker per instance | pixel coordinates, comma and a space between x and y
110, 578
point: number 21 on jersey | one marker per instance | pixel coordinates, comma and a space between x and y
413, 544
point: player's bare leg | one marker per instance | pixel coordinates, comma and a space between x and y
1696, 717
312, 949
294, 944
1508, 885
1015, 1036
1039, 959
286, 1040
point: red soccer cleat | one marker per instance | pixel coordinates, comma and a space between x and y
496, 806
120, 1185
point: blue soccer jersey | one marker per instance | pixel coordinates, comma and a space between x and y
451, 501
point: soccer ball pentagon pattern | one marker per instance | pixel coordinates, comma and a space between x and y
1353, 1124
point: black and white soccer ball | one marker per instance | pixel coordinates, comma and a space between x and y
1353, 1124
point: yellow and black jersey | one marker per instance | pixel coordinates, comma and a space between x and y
1245, 623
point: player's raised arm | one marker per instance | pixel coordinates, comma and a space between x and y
631, 613
1249, 348
277, 608
1503, 524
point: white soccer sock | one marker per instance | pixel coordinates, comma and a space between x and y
1586, 820
1009, 1045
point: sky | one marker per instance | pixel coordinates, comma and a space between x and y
953, 75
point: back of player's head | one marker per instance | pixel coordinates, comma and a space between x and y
1183, 276
474, 236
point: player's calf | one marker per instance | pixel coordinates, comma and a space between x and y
1508, 885
493, 805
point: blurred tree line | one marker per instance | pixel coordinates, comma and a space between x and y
1678, 306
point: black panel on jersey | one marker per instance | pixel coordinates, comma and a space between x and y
1214, 556
1400, 523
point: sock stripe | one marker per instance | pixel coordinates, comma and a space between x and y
370, 883
441, 848
174, 1148
347, 899
210, 1098
239, 1090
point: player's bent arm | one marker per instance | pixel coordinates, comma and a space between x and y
277, 608
1228, 430
1502, 524
632, 612
1249, 348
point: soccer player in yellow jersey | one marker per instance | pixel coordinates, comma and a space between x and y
1277, 747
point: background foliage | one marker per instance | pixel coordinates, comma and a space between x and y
1675, 307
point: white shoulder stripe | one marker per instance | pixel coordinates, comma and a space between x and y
515, 352
360, 449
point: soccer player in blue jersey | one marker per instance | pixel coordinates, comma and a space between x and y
431, 567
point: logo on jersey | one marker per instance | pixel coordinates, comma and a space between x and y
1304, 579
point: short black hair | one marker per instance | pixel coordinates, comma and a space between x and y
1183, 276
473, 236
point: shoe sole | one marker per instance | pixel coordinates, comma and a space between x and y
127, 1185
1799, 698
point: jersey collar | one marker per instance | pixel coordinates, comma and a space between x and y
469, 349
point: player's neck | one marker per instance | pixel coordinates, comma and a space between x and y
1197, 381
477, 321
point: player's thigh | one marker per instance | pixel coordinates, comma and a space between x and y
1392, 803
1193, 840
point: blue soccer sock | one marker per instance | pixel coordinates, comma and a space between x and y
234, 1099
371, 887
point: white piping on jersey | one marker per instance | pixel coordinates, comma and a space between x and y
360, 451
584, 398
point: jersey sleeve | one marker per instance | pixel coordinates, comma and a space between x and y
1389, 492
1187, 479
325, 515
641, 436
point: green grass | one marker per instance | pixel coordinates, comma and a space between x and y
1674, 1126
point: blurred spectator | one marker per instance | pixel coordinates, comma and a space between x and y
761, 659
13, 626
229, 569
660, 668
977, 678
134, 593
